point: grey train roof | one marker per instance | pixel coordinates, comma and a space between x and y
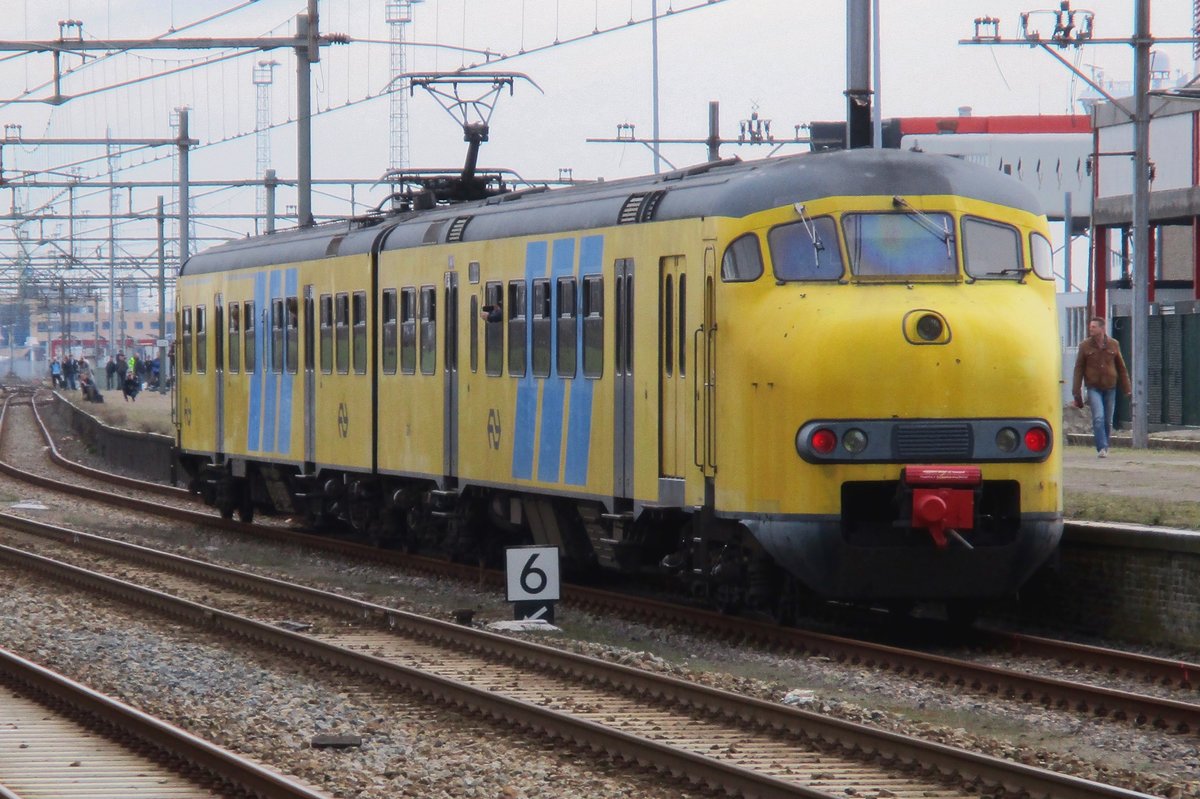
730, 188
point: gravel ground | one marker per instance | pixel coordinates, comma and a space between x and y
1159, 763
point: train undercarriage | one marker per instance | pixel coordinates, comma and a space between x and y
778, 568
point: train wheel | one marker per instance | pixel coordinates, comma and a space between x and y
245, 509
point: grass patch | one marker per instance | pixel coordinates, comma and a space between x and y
1134, 510
151, 413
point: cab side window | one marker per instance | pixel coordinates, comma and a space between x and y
742, 261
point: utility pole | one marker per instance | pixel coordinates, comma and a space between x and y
307, 54
1141, 224
183, 142
162, 298
654, 80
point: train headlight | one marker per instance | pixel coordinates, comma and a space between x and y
1007, 439
822, 441
1037, 439
854, 441
929, 327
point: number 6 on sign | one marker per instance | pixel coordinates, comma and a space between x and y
532, 573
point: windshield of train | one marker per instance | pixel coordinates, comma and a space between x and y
901, 244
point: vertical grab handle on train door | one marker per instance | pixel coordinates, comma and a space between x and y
710, 386
696, 418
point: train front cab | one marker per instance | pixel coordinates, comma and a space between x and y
842, 396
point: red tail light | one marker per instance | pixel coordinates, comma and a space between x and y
1036, 439
823, 441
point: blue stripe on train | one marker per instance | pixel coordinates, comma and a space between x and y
525, 423
550, 435
579, 422
270, 378
254, 412
287, 379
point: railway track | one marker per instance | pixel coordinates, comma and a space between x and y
59, 738
1164, 712
722, 740
1175, 711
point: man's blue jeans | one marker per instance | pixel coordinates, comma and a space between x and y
1103, 403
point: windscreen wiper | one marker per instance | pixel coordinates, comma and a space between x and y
943, 232
818, 245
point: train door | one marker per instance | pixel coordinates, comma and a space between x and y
623, 388
704, 356
310, 378
219, 368
450, 372
672, 360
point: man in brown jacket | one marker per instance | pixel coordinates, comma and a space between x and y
1099, 364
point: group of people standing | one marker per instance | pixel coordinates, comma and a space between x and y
129, 374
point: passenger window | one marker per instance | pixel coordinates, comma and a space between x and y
292, 324
567, 331
360, 332
249, 324
991, 250
341, 332
1042, 255
389, 331
277, 335
201, 341
593, 326
541, 322
186, 340
327, 333
516, 328
806, 250
408, 331
428, 329
493, 330
743, 260
235, 338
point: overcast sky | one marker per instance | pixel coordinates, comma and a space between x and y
785, 58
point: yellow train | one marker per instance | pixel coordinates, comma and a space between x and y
831, 374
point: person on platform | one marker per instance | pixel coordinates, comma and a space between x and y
1101, 368
131, 386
